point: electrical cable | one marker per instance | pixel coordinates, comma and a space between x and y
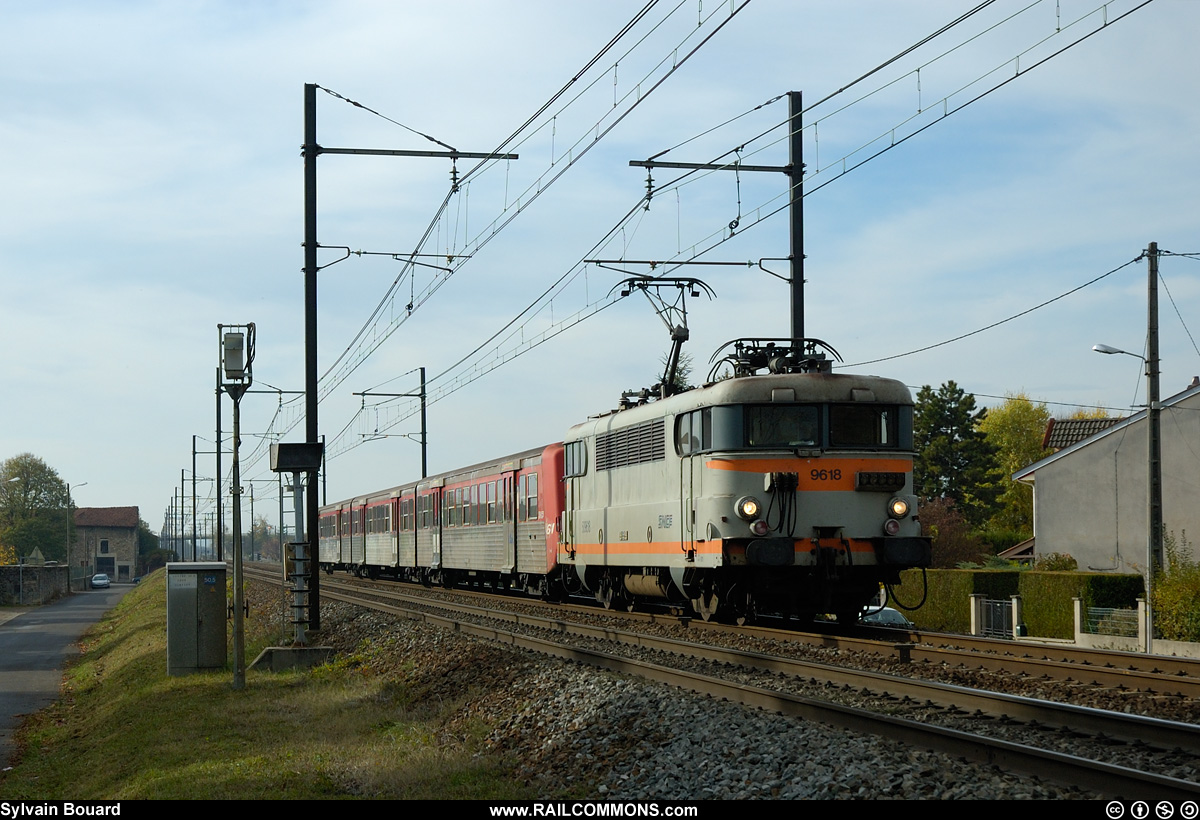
1001, 322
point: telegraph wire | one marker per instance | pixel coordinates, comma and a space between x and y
1002, 321
1171, 298
332, 380
389, 119
894, 142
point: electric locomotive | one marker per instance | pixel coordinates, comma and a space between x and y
788, 492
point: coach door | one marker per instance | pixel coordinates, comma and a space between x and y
431, 522
693, 435
507, 512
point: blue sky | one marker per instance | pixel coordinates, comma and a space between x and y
150, 161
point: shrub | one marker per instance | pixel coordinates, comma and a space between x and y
1176, 593
953, 541
1056, 562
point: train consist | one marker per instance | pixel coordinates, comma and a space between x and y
788, 492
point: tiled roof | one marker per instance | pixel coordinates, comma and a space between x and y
1062, 433
107, 517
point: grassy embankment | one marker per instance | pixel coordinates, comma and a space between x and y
125, 730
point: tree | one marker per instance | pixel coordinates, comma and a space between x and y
954, 459
33, 508
147, 540
953, 541
1016, 429
683, 372
266, 539
1096, 412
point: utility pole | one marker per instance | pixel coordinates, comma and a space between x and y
311, 150
424, 430
1153, 433
217, 478
795, 173
194, 542
1154, 411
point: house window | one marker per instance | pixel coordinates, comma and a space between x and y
103, 546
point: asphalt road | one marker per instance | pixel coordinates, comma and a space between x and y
34, 643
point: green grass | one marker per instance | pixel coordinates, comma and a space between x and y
125, 730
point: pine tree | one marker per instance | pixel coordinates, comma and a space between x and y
954, 459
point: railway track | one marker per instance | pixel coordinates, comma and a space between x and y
1056, 741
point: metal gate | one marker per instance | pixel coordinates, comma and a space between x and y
998, 619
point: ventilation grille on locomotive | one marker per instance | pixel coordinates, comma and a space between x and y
631, 445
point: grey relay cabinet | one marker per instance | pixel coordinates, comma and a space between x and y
195, 617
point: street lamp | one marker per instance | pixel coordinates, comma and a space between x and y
69, 566
1154, 540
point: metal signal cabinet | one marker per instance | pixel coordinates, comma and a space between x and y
196, 607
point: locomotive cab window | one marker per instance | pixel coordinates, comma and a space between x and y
782, 425
575, 459
862, 425
694, 431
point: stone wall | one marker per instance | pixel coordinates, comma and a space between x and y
31, 585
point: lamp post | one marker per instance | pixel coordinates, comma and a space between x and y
70, 567
1154, 539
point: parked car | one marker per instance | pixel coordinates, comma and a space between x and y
886, 617
100, 581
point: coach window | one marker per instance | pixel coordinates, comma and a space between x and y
531, 498
491, 502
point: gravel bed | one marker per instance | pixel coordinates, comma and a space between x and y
578, 731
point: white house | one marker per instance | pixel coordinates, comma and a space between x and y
1090, 499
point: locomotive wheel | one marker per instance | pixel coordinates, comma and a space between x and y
608, 594
739, 609
605, 594
706, 605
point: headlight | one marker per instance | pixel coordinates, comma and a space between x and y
748, 508
897, 508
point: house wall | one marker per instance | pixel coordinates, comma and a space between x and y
120, 561
1092, 502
